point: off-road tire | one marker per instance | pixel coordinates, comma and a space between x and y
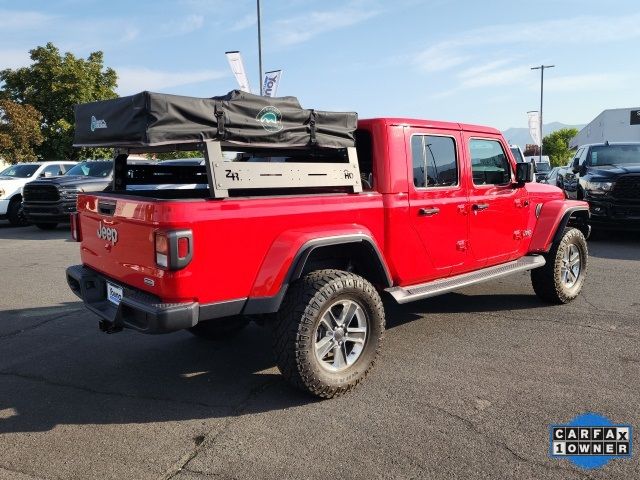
46, 226
547, 281
306, 301
15, 215
220, 329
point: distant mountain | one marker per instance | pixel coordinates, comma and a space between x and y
521, 137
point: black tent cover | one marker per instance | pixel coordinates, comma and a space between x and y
149, 119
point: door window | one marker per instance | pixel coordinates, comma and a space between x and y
434, 161
489, 163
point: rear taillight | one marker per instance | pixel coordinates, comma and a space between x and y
183, 247
162, 250
76, 235
173, 249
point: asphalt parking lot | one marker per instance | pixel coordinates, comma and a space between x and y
466, 387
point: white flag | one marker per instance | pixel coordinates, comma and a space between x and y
271, 82
237, 67
534, 126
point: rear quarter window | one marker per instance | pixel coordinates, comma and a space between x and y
434, 161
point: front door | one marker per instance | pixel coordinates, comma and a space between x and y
438, 201
498, 208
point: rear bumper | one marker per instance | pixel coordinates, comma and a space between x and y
52, 212
137, 310
142, 311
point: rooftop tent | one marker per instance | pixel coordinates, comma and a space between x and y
149, 119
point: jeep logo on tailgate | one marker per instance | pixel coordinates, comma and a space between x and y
107, 233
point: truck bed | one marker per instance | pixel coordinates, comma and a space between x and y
231, 237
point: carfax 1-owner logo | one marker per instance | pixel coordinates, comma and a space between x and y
271, 119
590, 441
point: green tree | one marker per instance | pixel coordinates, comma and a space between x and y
556, 145
19, 132
53, 84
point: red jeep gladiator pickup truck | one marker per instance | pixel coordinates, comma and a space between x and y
308, 235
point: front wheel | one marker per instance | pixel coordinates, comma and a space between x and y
328, 332
15, 213
562, 277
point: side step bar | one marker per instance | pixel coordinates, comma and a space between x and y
445, 285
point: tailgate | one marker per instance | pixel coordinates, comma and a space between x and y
118, 241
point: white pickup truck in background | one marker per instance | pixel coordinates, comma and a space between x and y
14, 177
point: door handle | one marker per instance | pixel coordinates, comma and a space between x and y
480, 206
428, 212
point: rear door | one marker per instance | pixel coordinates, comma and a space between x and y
438, 200
499, 209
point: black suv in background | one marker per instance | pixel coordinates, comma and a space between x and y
607, 175
48, 202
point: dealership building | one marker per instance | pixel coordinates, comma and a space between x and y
614, 125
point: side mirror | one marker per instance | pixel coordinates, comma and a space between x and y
524, 173
46, 175
575, 166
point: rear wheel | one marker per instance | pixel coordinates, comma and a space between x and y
328, 332
46, 226
562, 277
219, 329
15, 213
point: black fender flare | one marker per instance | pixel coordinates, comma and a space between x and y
582, 225
261, 305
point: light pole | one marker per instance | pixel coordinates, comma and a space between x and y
541, 68
259, 49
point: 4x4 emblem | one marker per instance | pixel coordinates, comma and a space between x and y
109, 234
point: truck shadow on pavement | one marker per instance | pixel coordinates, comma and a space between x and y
615, 245
31, 232
458, 303
65, 372
60, 370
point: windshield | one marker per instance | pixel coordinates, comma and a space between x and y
19, 171
517, 155
543, 167
92, 169
614, 155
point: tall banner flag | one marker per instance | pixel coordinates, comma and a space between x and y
237, 67
534, 126
271, 82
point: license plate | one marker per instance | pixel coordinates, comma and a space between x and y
114, 294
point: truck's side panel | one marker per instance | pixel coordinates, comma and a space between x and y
279, 258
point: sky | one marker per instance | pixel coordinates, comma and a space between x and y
463, 60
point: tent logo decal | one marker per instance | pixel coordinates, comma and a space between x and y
271, 119
95, 123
